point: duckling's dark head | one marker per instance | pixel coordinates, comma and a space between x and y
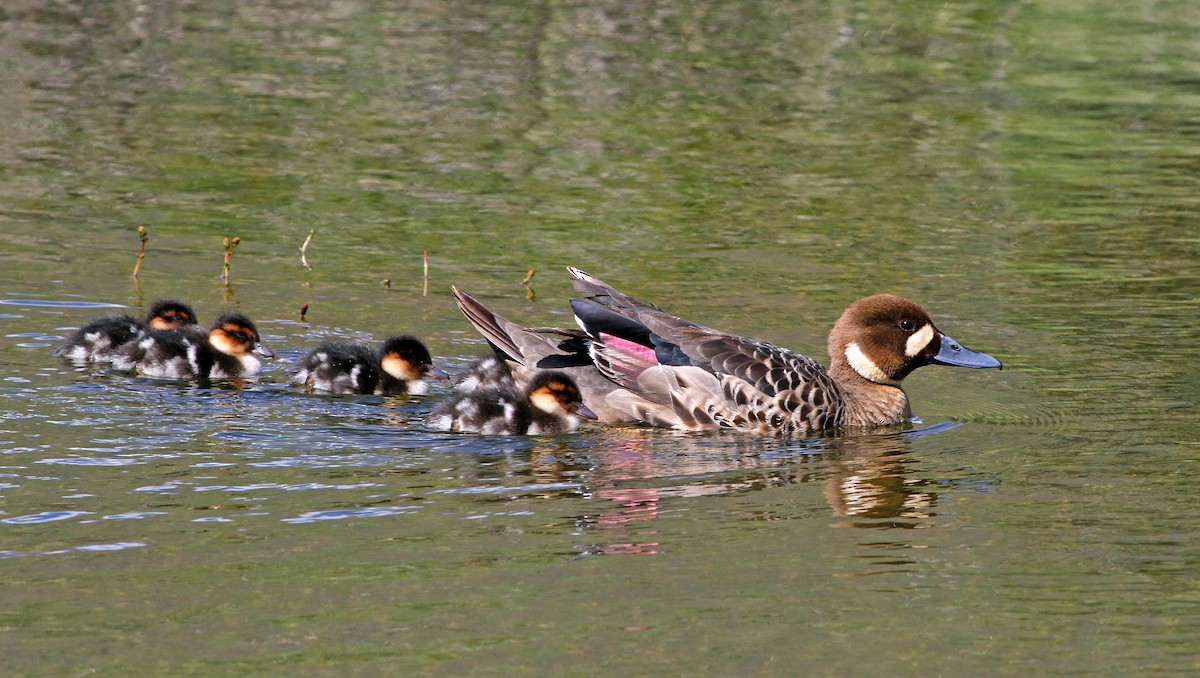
236, 335
556, 393
169, 314
406, 358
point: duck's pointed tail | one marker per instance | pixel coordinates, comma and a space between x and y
605, 294
497, 330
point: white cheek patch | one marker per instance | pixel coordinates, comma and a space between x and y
865, 367
918, 341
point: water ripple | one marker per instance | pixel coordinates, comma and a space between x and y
493, 514
280, 486
167, 487
932, 429
341, 514
134, 515
114, 546
40, 336
91, 461
536, 487
44, 517
325, 461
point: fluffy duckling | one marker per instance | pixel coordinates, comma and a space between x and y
398, 366
99, 340
489, 372
229, 349
551, 403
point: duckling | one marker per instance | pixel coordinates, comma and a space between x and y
229, 349
398, 366
551, 403
640, 363
99, 340
489, 372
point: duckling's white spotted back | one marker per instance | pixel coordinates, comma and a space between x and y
398, 366
225, 351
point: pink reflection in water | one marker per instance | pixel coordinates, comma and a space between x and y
635, 505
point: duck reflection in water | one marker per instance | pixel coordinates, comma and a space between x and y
867, 482
871, 482
630, 477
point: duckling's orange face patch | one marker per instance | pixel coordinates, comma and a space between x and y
171, 319
169, 315
233, 339
406, 358
402, 367
556, 397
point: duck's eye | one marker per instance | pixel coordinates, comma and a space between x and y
907, 325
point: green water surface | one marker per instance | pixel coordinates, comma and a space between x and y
1027, 171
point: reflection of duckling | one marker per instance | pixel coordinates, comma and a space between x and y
99, 340
399, 366
550, 404
227, 350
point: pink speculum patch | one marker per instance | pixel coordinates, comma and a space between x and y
644, 353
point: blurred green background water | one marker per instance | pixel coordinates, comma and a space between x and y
1027, 171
